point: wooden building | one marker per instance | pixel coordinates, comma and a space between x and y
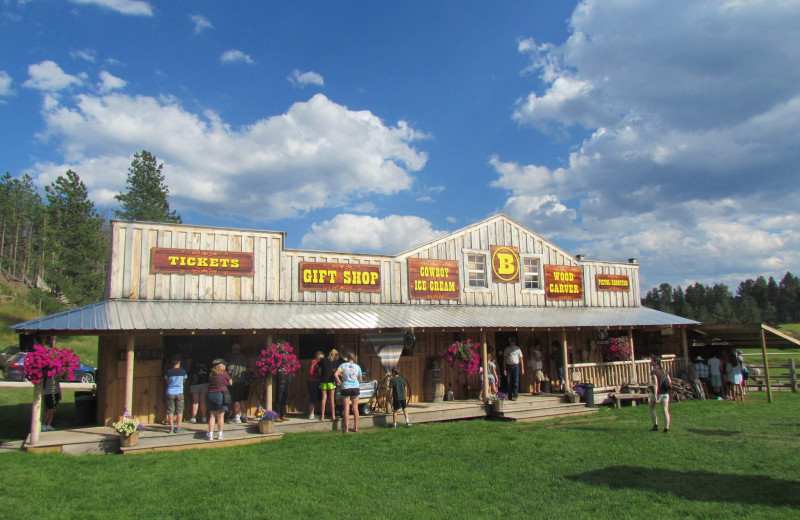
194, 291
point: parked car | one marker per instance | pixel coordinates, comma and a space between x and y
6, 354
14, 370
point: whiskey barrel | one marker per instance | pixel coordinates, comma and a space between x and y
433, 385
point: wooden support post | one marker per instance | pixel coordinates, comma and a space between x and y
634, 377
565, 354
485, 364
685, 345
36, 413
792, 375
766, 364
129, 360
268, 388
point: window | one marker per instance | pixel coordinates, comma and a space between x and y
476, 270
531, 276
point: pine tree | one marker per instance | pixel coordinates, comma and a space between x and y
146, 198
76, 244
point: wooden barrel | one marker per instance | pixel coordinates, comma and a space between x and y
433, 385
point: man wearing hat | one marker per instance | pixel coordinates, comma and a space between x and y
702, 371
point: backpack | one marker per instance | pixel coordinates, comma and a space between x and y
745, 373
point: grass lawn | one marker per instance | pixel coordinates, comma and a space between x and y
721, 460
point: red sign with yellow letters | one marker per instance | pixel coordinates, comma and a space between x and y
563, 282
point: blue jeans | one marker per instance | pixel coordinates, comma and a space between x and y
282, 395
512, 381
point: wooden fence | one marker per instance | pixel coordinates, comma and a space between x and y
617, 373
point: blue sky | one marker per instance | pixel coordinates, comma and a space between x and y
666, 131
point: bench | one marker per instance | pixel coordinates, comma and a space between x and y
617, 398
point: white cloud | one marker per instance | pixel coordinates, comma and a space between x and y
131, 7
109, 82
301, 79
693, 112
5, 84
391, 235
48, 76
200, 22
316, 155
234, 56
85, 54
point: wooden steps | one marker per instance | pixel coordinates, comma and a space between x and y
540, 408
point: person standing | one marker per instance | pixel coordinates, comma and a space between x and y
398, 393
313, 382
218, 383
238, 367
51, 393
536, 366
661, 384
198, 387
716, 374
175, 378
349, 375
514, 366
327, 383
558, 359
733, 370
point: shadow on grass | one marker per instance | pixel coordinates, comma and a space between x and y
719, 433
15, 420
698, 485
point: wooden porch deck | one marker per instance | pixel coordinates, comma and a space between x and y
103, 440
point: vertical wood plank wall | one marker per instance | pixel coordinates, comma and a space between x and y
276, 270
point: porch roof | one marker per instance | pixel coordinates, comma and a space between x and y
741, 335
162, 315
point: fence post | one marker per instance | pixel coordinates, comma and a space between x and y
792, 376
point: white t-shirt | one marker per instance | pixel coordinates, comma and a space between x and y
513, 355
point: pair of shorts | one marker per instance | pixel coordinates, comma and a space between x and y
492, 380
351, 392
199, 389
716, 380
399, 405
538, 375
239, 392
327, 386
174, 404
313, 392
51, 401
662, 398
216, 402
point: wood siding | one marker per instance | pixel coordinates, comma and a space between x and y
276, 270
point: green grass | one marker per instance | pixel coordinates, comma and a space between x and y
15, 411
721, 460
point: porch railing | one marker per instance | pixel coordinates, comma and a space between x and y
617, 373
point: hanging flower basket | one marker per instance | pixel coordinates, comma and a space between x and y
463, 354
46, 362
278, 357
617, 349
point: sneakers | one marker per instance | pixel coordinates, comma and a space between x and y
666, 430
654, 428
208, 436
394, 425
172, 430
47, 428
311, 417
203, 420
193, 420
244, 418
219, 436
180, 429
235, 420
408, 424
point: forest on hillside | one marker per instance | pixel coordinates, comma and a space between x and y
763, 300
59, 244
